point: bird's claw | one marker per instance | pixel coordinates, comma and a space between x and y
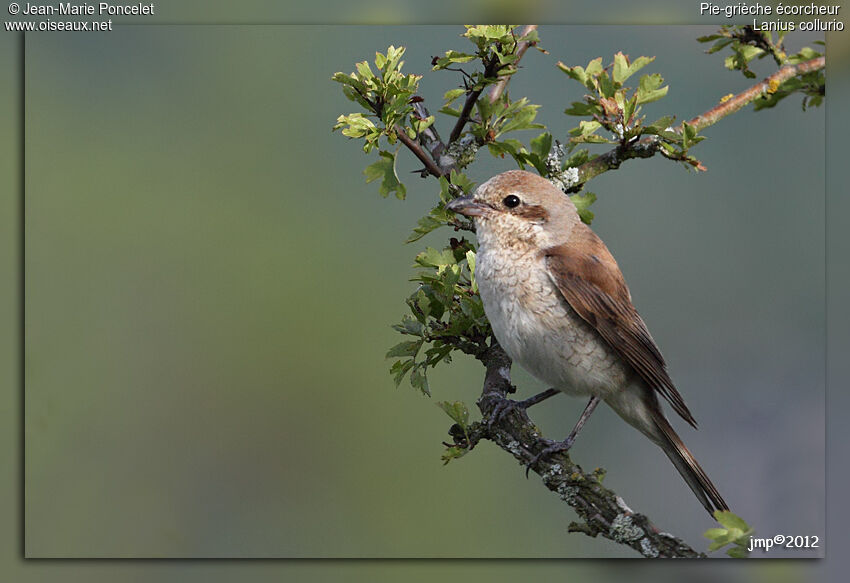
502, 408
553, 447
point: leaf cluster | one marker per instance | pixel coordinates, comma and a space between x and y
387, 98
612, 105
735, 532
445, 314
496, 47
617, 108
459, 413
747, 44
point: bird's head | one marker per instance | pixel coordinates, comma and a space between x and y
518, 208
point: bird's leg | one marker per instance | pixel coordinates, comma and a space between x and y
585, 415
505, 406
565, 445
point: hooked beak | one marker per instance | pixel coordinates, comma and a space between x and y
466, 205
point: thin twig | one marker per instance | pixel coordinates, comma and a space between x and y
417, 150
471, 99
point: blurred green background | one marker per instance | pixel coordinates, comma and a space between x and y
210, 284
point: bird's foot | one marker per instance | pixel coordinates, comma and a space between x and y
552, 447
502, 408
505, 406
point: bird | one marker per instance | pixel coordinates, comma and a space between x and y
559, 306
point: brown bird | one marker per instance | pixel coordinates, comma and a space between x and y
559, 306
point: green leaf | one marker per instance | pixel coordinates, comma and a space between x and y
708, 38
583, 201
719, 45
470, 261
433, 258
731, 520
364, 70
577, 73
409, 326
419, 380
453, 94
458, 57
453, 57
425, 225
399, 369
420, 305
715, 533
585, 133
420, 125
580, 108
510, 146
384, 169
354, 125
749, 52
577, 158
457, 410
689, 133
406, 348
639, 64
461, 181
629, 108
541, 145
606, 85
453, 452
650, 88
594, 67
621, 68
586, 128
660, 125
736, 533
522, 119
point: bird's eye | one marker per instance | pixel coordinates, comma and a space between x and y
511, 201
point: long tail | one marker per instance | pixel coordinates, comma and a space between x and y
687, 465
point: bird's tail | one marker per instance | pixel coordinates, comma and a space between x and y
687, 465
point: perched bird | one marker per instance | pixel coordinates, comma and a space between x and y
559, 306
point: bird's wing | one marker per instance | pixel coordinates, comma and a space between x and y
590, 280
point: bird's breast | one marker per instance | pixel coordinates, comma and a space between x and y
540, 331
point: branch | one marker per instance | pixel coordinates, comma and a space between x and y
769, 85
602, 511
649, 146
611, 160
417, 150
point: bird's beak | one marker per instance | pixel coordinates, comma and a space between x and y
466, 205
